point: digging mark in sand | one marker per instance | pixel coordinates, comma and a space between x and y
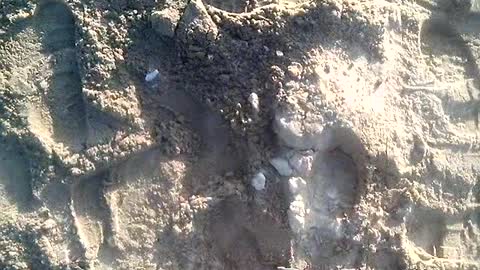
443, 235
338, 169
461, 237
386, 258
171, 99
126, 211
324, 200
90, 213
245, 238
142, 200
64, 97
426, 228
66, 245
334, 190
440, 30
144, 187
336, 177
15, 187
212, 130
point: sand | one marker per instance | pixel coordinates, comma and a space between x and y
239, 134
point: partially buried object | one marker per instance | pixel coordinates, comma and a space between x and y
152, 75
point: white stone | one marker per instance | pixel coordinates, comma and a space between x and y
294, 132
297, 185
44, 85
254, 101
152, 75
282, 166
302, 164
279, 53
298, 205
296, 214
289, 129
258, 181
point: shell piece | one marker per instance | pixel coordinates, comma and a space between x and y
152, 75
254, 101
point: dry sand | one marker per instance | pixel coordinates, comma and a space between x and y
236, 134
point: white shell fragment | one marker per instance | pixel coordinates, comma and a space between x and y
254, 101
152, 75
258, 181
282, 166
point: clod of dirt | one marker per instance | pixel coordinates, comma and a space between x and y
196, 27
165, 21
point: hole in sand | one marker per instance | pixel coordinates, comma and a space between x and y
426, 228
335, 175
336, 172
329, 196
64, 98
90, 212
15, 185
172, 100
245, 238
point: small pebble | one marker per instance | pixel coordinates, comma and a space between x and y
258, 181
152, 75
279, 53
44, 85
295, 70
297, 185
254, 101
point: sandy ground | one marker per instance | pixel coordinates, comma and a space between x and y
235, 134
